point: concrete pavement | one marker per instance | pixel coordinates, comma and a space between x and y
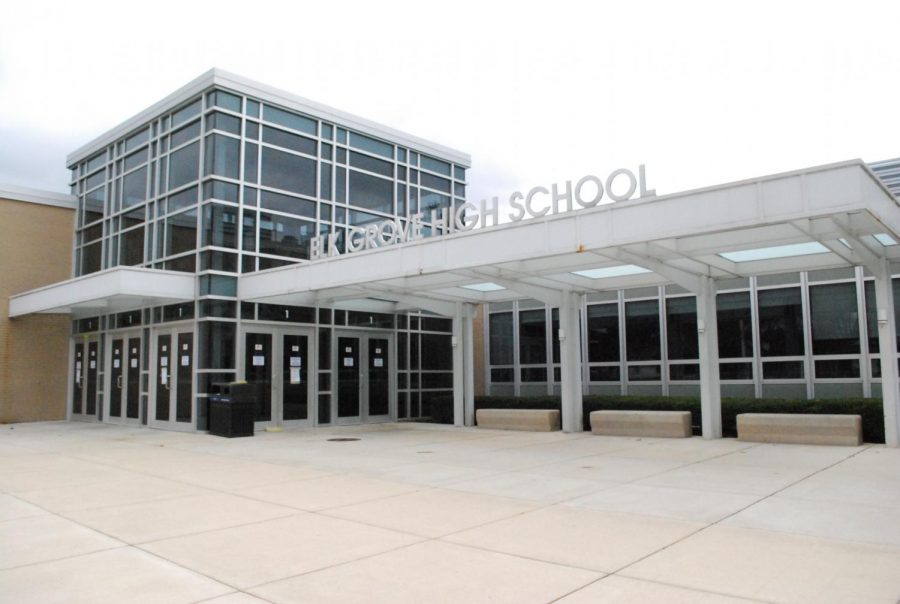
426, 513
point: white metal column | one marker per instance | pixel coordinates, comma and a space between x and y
887, 343
459, 378
570, 361
468, 365
708, 336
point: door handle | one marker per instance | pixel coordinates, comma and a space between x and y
119, 381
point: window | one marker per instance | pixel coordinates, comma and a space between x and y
222, 121
184, 165
287, 204
132, 247
222, 156
251, 157
780, 323
642, 332
734, 325
435, 182
835, 319
182, 199
289, 172
681, 329
220, 225
532, 337
378, 166
437, 354
134, 187
294, 142
289, 120
435, 165
226, 100
181, 232
183, 135
371, 145
371, 192
603, 332
500, 327
872, 314
283, 236
186, 113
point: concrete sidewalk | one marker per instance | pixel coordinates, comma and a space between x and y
424, 513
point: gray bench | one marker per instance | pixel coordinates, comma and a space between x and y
666, 424
531, 420
800, 428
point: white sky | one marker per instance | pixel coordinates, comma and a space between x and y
700, 92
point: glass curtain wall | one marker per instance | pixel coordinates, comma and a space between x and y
793, 335
225, 184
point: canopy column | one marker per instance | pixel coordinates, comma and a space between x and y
708, 337
458, 370
570, 361
469, 366
463, 366
887, 345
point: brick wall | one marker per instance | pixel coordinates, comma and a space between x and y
35, 250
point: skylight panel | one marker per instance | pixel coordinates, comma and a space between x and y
778, 251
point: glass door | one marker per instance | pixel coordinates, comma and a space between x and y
258, 355
364, 388
85, 372
173, 380
379, 382
276, 363
349, 386
124, 379
295, 387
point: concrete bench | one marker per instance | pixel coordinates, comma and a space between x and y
531, 420
666, 424
800, 428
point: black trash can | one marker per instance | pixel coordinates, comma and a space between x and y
232, 409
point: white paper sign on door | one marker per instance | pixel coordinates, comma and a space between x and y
134, 363
348, 361
259, 360
185, 360
115, 363
295, 375
164, 361
296, 361
93, 364
164, 376
379, 362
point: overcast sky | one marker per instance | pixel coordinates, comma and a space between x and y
702, 93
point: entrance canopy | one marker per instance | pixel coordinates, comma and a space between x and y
824, 217
109, 291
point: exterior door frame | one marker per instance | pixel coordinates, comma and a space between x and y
173, 331
277, 333
126, 363
79, 379
364, 417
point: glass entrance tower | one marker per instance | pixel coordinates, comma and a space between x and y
227, 176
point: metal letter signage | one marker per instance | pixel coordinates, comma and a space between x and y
587, 192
